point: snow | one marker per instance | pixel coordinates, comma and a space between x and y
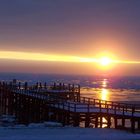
45, 124
7, 120
93, 109
41, 132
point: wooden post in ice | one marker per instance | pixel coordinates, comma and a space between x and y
123, 122
96, 122
87, 120
108, 121
132, 125
139, 124
115, 122
101, 121
76, 119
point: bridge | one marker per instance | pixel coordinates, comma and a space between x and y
63, 103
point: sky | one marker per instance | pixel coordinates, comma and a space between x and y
64, 32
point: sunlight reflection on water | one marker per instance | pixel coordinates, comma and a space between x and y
105, 92
104, 95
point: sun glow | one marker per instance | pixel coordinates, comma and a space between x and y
29, 56
105, 61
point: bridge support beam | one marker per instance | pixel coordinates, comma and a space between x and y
68, 118
139, 124
87, 121
76, 119
96, 122
64, 118
123, 122
108, 121
101, 121
132, 125
116, 122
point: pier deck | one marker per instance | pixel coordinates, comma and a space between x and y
63, 103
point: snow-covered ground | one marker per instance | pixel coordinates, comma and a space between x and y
52, 131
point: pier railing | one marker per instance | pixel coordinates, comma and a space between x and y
86, 104
100, 106
43, 86
83, 104
111, 105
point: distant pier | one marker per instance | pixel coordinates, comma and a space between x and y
63, 103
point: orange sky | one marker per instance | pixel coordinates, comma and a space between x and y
64, 64
66, 36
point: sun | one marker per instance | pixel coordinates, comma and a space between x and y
105, 61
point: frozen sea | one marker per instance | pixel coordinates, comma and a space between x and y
118, 88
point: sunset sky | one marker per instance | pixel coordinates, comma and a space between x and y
70, 36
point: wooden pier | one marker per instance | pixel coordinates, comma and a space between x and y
63, 103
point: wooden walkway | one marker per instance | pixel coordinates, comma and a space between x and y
63, 103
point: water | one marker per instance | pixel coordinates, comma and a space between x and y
126, 89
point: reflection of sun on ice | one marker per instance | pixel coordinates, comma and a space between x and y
105, 61
104, 94
104, 90
104, 83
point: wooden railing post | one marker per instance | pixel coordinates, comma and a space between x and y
74, 107
40, 85
84, 99
133, 110
72, 87
68, 106
88, 100
100, 105
19, 85
59, 86
94, 101
63, 86
69, 87
123, 110
54, 86
115, 110
107, 108
88, 107
26, 85
45, 85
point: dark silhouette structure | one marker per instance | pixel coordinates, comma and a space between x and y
62, 103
